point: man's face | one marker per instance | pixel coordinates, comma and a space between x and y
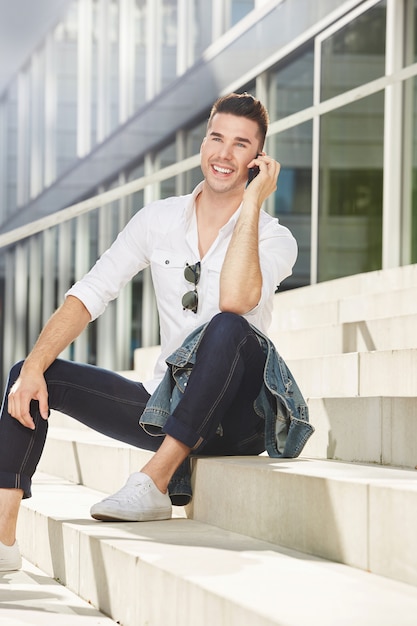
231, 143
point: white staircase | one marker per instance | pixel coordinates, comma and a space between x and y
327, 539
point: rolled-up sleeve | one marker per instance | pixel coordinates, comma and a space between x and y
278, 252
113, 270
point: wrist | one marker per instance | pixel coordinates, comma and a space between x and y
32, 366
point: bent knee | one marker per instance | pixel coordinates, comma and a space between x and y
228, 322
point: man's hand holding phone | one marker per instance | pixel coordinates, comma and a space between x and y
253, 172
267, 182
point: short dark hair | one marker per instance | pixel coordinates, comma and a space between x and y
243, 105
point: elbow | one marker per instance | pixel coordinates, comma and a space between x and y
231, 308
238, 305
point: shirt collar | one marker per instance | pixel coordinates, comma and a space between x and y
190, 211
190, 208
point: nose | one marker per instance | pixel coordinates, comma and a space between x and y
225, 151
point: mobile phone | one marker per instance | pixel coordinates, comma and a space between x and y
252, 173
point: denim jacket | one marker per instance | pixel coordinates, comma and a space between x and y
279, 402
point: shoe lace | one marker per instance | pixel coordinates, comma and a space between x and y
131, 492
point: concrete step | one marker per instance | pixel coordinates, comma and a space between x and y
379, 430
335, 510
334, 311
89, 458
183, 572
380, 281
393, 303
382, 373
391, 333
360, 515
373, 373
30, 597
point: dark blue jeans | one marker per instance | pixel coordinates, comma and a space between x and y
215, 414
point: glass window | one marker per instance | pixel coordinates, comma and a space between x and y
66, 90
291, 85
409, 217
240, 8
11, 150
203, 22
355, 54
410, 32
136, 200
169, 41
140, 53
105, 84
350, 189
248, 88
95, 54
114, 64
194, 138
167, 157
292, 202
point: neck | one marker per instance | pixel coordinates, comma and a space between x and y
212, 214
219, 206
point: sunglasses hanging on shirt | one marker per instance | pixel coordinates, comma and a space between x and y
192, 275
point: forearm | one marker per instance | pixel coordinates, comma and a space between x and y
241, 278
62, 328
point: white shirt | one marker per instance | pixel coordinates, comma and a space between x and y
163, 235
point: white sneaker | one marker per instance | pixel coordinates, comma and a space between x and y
10, 559
138, 501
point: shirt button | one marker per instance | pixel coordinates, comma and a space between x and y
166, 261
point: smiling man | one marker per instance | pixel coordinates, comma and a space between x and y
216, 259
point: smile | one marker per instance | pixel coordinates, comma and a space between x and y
222, 170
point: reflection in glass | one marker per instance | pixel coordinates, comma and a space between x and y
350, 193
292, 202
291, 86
355, 54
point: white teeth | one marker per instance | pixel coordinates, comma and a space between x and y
222, 170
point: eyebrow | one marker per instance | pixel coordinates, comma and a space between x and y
241, 139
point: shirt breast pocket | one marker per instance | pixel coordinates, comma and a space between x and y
167, 269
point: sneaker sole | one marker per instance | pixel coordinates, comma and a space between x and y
11, 567
141, 517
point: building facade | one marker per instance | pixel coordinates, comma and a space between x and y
109, 111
